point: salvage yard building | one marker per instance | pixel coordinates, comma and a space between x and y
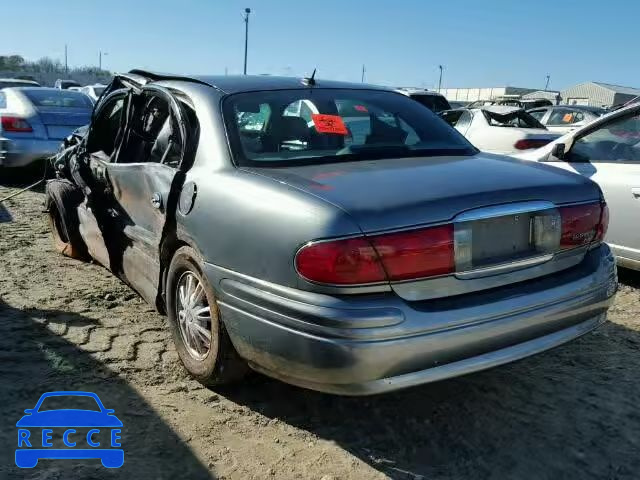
598, 94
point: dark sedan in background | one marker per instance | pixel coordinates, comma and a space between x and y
347, 260
35, 120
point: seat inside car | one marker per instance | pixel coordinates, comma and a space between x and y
286, 129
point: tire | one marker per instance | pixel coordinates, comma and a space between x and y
220, 364
62, 200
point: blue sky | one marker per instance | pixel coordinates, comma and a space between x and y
401, 42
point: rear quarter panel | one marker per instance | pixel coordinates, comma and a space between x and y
254, 225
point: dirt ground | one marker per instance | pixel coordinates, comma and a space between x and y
65, 325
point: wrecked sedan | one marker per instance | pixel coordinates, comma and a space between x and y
356, 247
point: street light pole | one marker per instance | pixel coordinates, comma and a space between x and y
247, 11
100, 54
546, 86
363, 72
440, 81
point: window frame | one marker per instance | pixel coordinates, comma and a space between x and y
120, 93
175, 116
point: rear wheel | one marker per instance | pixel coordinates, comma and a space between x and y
201, 339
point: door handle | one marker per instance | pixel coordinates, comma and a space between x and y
156, 200
635, 191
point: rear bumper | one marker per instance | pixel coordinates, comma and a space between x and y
21, 153
367, 344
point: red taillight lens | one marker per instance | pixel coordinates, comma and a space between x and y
416, 254
527, 144
583, 224
15, 124
350, 261
395, 256
604, 223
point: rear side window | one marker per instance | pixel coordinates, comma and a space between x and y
517, 118
537, 114
435, 103
58, 98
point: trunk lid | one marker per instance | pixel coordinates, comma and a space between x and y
400, 193
507, 226
60, 122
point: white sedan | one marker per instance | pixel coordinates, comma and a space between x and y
608, 152
499, 129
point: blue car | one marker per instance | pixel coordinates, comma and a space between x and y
92, 415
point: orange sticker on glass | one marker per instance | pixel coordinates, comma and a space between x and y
567, 118
329, 124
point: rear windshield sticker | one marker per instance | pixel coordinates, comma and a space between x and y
329, 124
361, 108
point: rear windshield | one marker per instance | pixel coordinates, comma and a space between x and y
99, 90
288, 127
58, 98
435, 103
517, 118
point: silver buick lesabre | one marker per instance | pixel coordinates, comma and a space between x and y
335, 236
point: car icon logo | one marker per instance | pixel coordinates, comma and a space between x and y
90, 432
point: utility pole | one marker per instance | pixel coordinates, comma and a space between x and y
440, 81
66, 65
100, 53
363, 72
546, 86
247, 11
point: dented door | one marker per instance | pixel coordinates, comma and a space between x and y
141, 194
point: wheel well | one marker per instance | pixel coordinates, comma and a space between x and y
168, 248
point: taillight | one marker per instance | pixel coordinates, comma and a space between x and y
604, 224
529, 143
394, 256
583, 224
416, 254
350, 261
15, 124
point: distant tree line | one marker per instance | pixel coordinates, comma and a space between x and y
46, 71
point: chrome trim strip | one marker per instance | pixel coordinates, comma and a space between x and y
484, 213
503, 267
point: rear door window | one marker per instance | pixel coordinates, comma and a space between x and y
616, 141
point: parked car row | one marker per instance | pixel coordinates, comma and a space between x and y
385, 250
